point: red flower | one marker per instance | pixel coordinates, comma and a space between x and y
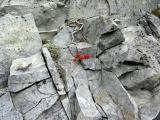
80, 57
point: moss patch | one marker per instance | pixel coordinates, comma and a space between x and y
156, 12
54, 51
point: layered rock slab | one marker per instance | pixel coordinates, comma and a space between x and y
26, 71
33, 101
19, 38
7, 110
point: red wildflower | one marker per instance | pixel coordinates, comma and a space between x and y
80, 57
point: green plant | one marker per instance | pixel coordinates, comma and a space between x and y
54, 51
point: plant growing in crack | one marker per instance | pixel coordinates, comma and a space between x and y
54, 50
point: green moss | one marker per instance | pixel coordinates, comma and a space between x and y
156, 12
54, 51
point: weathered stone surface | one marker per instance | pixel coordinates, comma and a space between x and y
106, 104
67, 68
123, 39
48, 15
125, 68
112, 57
92, 64
94, 80
82, 8
79, 76
120, 96
154, 24
67, 107
26, 71
7, 110
146, 78
63, 38
110, 40
94, 27
148, 102
88, 110
38, 98
54, 72
56, 112
148, 46
19, 38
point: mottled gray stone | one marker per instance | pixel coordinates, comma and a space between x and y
112, 57
92, 64
26, 71
21, 41
94, 8
56, 112
110, 110
125, 68
36, 99
7, 110
67, 66
119, 95
67, 107
148, 102
146, 78
94, 80
88, 110
147, 46
154, 24
110, 40
48, 15
94, 27
79, 76
51, 65
83, 48
63, 38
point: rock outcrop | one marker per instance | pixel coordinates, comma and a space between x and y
79, 60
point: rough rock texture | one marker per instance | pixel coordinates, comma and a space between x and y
79, 60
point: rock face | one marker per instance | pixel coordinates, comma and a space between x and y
21, 40
79, 60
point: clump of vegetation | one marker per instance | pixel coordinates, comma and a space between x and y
54, 50
156, 11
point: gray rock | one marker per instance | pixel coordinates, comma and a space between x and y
78, 9
27, 71
146, 79
92, 64
110, 110
56, 112
38, 98
125, 68
148, 46
48, 14
88, 110
110, 40
94, 80
120, 96
67, 107
21, 41
148, 102
63, 38
67, 66
79, 76
47, 36
154, 24
7, 110
83, 48
94, 27
54, 72
112, 57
